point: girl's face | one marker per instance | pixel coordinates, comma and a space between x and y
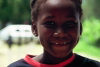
58, 28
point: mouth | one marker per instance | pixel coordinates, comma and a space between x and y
60, 44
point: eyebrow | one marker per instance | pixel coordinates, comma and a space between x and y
69, 18
70, 15
49, 17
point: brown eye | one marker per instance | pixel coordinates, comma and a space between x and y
69, 25
50, 24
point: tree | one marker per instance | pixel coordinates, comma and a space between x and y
96, 8
14, 11
91, 9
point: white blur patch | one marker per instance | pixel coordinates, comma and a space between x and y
54, 2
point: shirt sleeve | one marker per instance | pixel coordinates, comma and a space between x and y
20, 63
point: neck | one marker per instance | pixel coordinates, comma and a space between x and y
49, 59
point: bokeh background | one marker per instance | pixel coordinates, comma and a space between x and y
17, 12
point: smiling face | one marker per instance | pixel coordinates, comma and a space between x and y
58, 27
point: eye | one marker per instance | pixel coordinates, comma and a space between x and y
70, 25
50, 24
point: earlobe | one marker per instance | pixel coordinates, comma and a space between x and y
34, 29
81, 29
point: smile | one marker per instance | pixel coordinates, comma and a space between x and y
60, 44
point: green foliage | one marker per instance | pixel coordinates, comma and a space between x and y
88, 8
15, 11
87, 49
91, 9
89, 43
96, 8
91, 32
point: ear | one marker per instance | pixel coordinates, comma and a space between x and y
34, 29
81, 28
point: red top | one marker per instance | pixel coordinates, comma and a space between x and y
34, 63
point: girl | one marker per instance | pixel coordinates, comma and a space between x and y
57, 23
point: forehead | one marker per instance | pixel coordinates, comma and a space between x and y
58, 6
51, 4
59, 3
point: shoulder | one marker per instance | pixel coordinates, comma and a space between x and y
91, 63
86, 62
19, 63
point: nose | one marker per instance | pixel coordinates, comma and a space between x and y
59, 33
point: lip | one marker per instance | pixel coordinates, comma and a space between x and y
59, 44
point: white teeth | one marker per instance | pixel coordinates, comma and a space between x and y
57, 43
63, 43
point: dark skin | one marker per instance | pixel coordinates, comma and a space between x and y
58, 27
47, 59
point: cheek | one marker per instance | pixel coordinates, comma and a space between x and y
74, 33
44, 34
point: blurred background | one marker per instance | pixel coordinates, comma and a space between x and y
16, 39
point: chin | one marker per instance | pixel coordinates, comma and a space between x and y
62, 54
